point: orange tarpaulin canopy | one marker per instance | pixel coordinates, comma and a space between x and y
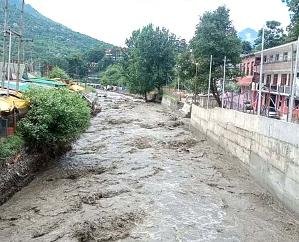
245, 81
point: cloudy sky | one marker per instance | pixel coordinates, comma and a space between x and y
113, 20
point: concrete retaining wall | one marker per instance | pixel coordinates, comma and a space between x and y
269, 147
170, 101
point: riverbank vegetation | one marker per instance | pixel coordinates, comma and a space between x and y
56, 118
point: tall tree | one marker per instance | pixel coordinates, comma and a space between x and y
274, 35
215, 35
151, 58
246, 47
293, 28
77, 67
94, 55
114, 75
58, 73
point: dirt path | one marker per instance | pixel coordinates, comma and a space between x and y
138, 174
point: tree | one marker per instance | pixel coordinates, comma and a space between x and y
293, 28
114, 75
274, 35
58, 73
150, 59
246, 47
94, 55
215, 35
186, 70
56, 118
77, 67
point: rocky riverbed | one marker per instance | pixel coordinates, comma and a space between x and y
139, 174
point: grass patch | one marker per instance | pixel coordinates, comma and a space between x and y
10, 147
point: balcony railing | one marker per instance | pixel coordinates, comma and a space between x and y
277, 88
284, 90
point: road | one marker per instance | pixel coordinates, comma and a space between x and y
139, 174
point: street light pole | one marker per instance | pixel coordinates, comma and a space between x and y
178, 73
224, 73
4, 43
261, 74
196, 87
9, 65
20, 45
210, 77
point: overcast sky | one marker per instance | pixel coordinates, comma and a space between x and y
113, 20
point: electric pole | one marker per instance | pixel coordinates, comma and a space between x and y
261, 75
4, 42
223, 83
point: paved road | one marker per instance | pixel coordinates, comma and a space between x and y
138, 174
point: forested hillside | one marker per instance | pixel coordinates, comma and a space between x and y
51, 39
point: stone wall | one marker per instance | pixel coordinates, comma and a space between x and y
268, 147
170, 101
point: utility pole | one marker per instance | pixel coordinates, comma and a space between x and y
294, 85
8, 64
210, 77
20, 44
223, 83
261, 74
196, 84
4, 43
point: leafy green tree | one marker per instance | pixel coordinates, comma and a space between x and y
95, 55
77, 67
150, 59
274, 35
114, 75
58, 73
186, 70
246, 47
56, 118
215, 35
293, 28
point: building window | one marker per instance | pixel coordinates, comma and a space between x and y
265, 59
277, 57
275, 79
271, 58
284, 78
285, 56
268, 80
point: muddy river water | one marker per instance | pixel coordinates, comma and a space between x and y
139, 174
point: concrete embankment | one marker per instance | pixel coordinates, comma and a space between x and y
173, 103
268, 147
170, 101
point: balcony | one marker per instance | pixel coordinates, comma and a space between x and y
277, 89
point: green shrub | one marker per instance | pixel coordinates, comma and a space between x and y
10, 147
56, 118
58, 73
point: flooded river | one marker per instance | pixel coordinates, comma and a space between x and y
139, 174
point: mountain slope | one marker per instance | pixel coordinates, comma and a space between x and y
51, 39
248, 34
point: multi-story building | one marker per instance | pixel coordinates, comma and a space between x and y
277, 79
